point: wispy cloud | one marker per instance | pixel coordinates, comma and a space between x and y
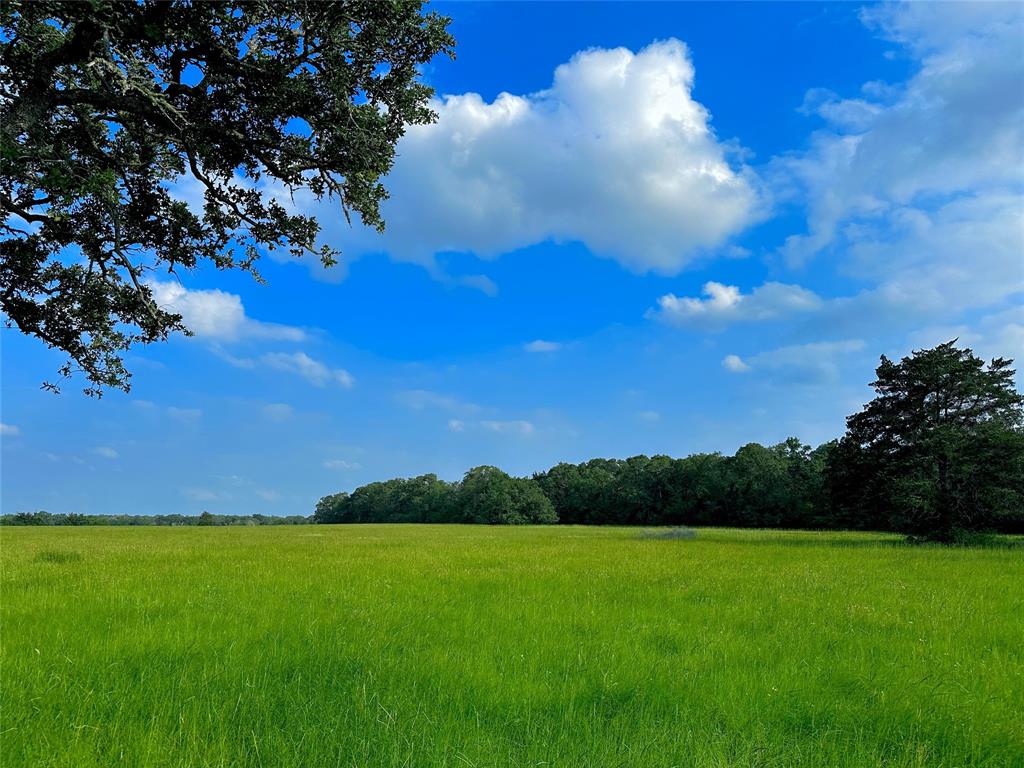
513, 427
299, 363
277, 411
342, 464
542, 346
425, 399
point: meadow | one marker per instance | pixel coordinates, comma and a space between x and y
423, 646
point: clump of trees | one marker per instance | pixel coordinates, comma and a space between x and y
937, 454
485, 495
206, 518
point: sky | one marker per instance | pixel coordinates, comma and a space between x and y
635, 228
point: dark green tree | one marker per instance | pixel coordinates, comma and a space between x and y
106, 105
488, 495
331, 509
940, 447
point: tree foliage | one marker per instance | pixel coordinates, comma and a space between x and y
940, 449
110, 109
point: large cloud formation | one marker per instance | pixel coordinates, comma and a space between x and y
913, 190
615, 154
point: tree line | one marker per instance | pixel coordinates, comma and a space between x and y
206, 518
938, 453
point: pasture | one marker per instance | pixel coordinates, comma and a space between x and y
425, 646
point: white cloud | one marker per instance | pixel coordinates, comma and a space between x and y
456, 425
814, 363
311, 370
1000, 334
482, 283
956, 127
616, 154
734, 364
268, 494
277, 411
725, 304
921, 266
105, 451
342, 464
217, 315
10, 430
651, 417
515, 427
542, 346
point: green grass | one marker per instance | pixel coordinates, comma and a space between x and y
476, 646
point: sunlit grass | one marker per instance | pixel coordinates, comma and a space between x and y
484, 646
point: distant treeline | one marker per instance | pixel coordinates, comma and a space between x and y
206, 518
938, 453
788, 485
782, 486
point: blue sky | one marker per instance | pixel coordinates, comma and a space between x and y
634, 229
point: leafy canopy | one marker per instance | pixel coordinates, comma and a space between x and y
105, 106
940, 447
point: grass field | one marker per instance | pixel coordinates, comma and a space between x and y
475, 646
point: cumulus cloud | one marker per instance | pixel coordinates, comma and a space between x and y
217, 315
456, 425
542, 346
105, 451
10, 430
734, 364
724, 304
616, 154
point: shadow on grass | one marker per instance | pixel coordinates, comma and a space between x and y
855, 540
669, 534
58, 556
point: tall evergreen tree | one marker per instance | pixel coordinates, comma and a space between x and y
940, 447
